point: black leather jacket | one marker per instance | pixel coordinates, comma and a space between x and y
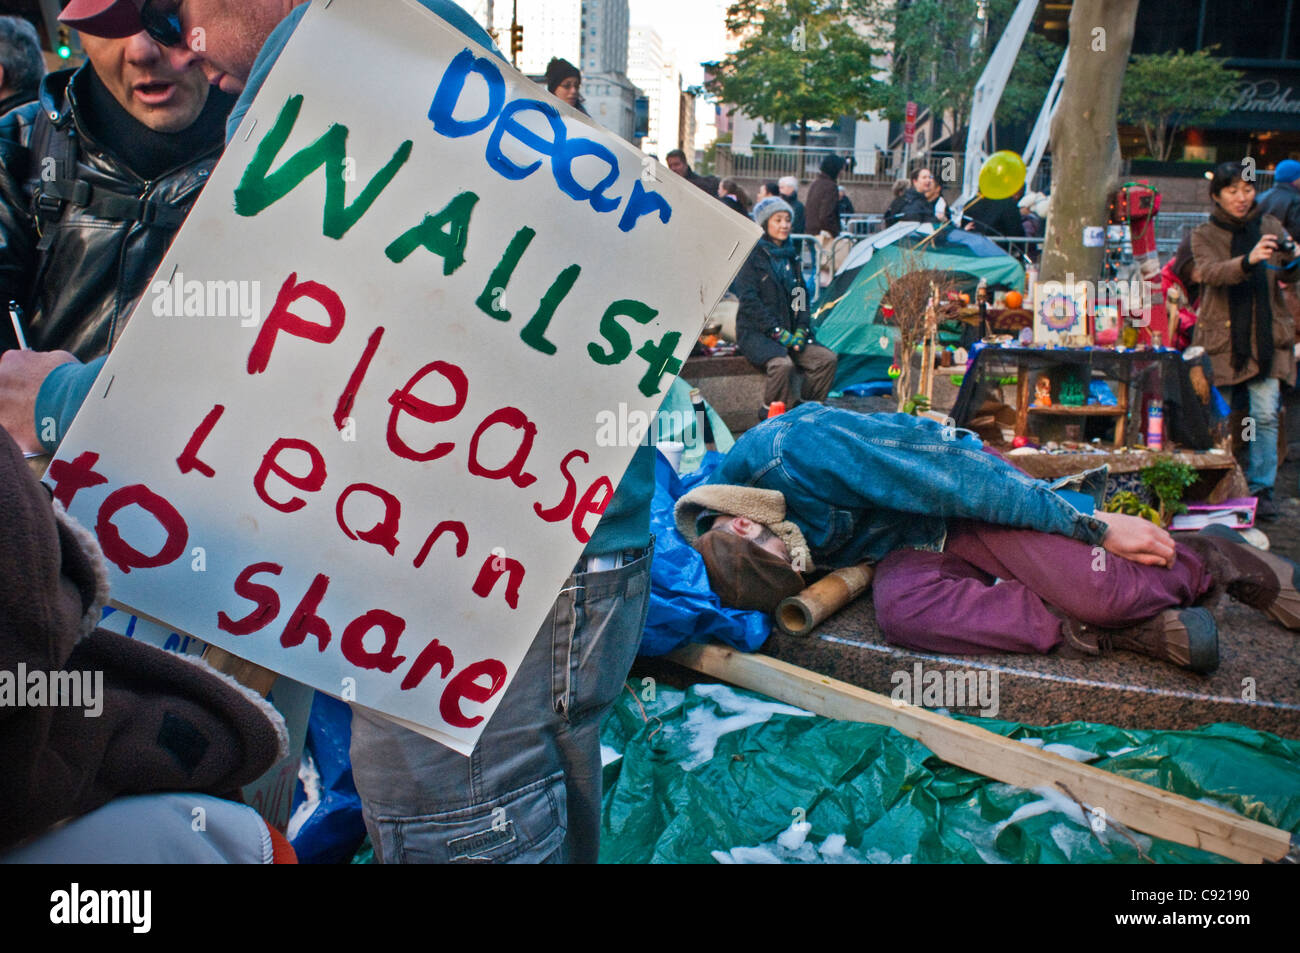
79, 292
766, 303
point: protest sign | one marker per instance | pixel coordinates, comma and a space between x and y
351, 431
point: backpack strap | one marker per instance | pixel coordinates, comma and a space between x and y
65, 189
54, 151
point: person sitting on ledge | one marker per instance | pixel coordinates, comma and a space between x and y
972, 556
773, 326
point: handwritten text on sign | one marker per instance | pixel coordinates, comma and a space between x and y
379, 486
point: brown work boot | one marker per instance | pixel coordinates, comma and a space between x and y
1187, 637
1077, 641
1255, 577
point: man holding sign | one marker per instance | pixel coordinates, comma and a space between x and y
530, 788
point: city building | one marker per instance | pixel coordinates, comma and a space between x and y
590, 34
610, 95
654, 71
1260, 38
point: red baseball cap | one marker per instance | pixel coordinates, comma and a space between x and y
113, 19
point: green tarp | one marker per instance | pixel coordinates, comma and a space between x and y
850, 329
721, 774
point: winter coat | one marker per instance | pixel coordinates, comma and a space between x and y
820, 204
1212, 248
1180, 336
1283, 203
997, 217
769, 300
799, 220
911, 206
859, 486
139, 719
79, 292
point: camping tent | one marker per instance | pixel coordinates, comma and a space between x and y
846, 315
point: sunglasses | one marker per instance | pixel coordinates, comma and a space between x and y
162, 21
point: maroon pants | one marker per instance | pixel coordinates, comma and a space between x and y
989, 590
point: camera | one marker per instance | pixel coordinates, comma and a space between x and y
1286, 243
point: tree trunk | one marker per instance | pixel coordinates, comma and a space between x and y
1085, 143
803, 132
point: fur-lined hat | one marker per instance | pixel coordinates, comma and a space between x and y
743, 574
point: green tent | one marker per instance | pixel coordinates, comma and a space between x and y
846, 315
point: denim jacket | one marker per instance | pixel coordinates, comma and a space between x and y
860, 486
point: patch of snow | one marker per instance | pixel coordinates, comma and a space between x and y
833, 845
1119, 751
1054, 800
746, 855
705, 728
877, 856
1221, 805
792, 838
1071, 752
1064, 750
311, 786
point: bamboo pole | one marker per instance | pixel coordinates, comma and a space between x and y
799, 615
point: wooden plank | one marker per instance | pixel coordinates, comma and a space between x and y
1022, 402
248, 674
1049, 466
1121, 425
1136, 805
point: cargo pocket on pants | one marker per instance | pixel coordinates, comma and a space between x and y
525, 826
606, 641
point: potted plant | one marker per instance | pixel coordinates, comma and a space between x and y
1168, 479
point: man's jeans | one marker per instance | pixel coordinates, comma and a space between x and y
1263, 395
531, 790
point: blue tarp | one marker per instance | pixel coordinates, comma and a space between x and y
683, 608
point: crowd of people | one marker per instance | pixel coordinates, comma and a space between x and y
99, 165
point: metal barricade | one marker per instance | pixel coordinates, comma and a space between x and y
1172, 227
861, 224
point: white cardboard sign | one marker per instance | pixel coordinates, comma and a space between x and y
377, 481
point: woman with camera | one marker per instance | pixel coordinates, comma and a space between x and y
1242, 321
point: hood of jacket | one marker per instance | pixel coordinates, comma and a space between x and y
87, 715
766, 507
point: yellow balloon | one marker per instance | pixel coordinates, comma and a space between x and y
1002, 176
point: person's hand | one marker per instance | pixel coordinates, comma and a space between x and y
781, 336
21, 376
969, 226
799, 342
1266, 248
1137, 539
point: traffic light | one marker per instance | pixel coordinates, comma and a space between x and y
516, 39
64, 49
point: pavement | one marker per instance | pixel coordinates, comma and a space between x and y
1257, 684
